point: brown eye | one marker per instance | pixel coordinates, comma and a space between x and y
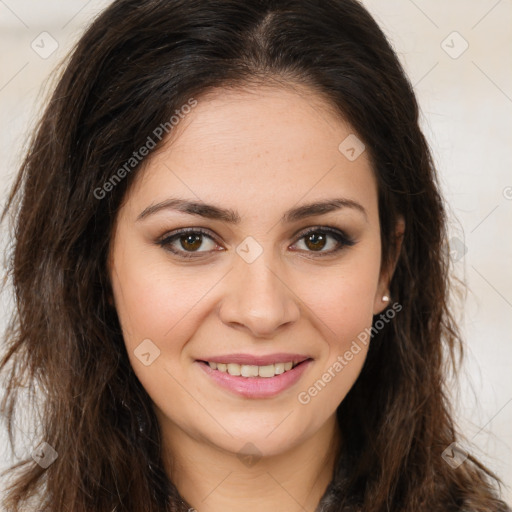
188, 243
315, 241
191, 242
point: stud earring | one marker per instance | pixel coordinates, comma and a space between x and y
385, 298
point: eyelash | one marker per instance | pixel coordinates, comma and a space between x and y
340, 237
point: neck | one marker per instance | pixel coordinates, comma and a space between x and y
211, 479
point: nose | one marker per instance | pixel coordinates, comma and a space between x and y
257, 298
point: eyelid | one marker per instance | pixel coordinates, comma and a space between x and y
343, 239
340, 236
166, 239
325, 229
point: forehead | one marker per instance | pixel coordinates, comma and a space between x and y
245, 146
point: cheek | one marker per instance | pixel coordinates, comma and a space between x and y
342, 303
161, 306
153, 302
342, 299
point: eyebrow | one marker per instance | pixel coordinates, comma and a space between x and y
210, 211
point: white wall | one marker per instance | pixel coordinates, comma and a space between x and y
466, 101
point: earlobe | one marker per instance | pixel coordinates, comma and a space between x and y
381, 304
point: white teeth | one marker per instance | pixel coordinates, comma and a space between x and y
233, 369
247, 370
279, 368
266, 371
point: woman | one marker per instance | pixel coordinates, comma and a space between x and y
230, 272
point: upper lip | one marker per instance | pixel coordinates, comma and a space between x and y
257, 360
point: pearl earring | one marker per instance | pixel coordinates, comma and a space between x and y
385, 298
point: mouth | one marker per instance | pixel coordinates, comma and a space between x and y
255, 380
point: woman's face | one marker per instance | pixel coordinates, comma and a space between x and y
250, 170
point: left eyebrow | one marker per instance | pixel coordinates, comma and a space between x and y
214, 212
321, 208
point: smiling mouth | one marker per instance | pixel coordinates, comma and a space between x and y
246, 370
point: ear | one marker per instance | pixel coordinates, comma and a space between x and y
386, 274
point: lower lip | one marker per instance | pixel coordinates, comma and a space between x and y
257, 387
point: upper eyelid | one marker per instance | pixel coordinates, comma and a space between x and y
328, 229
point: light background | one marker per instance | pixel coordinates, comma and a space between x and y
466, 103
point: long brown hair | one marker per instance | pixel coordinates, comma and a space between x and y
138, 63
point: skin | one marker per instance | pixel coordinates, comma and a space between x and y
259, 152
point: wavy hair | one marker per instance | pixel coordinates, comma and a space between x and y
137, 63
